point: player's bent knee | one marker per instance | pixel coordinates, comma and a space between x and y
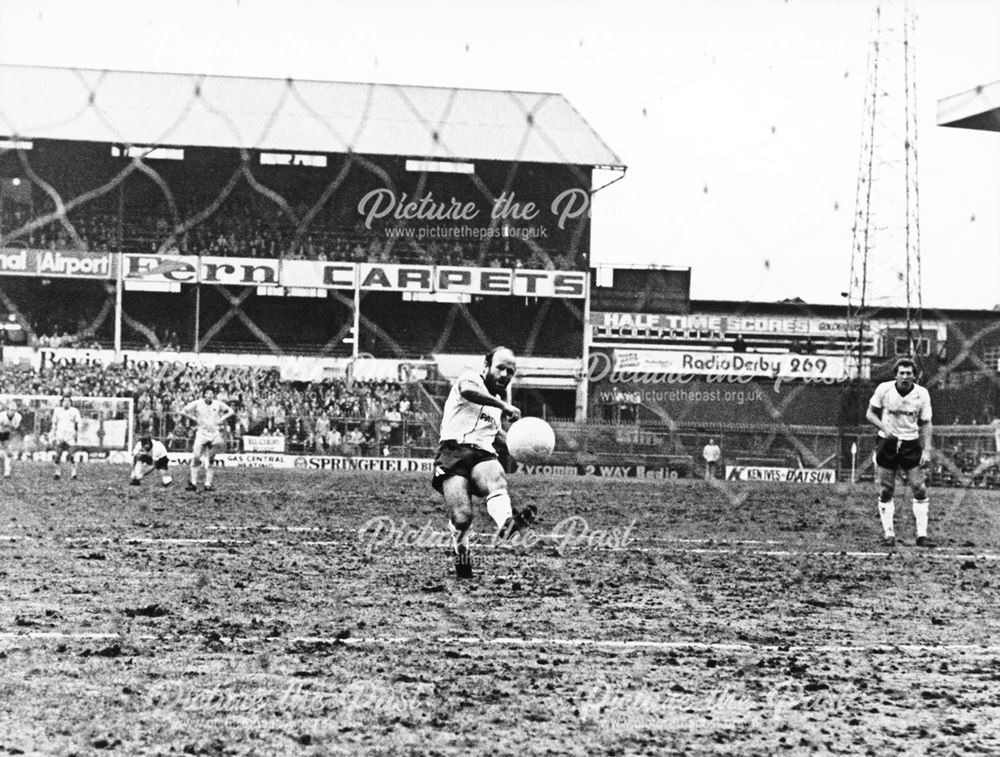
461, 512
456, 493
461, 518
496, 486
489, 478
886, 492
920, 491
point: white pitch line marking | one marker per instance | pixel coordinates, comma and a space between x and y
441, 539
176, 541
289, 529
547, 643
936, 554
354, 530
321, 529
72, 635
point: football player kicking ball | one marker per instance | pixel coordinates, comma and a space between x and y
10, 421
901, 411
66, 423
467, 464
209, 414
149, 455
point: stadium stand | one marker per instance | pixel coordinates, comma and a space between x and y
214, 203
287, 197
313, 416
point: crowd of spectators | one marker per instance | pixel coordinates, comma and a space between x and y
970, 465
331, 417
52, 325
247, 234
254, 229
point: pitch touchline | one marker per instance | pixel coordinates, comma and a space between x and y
355, 531
572, 547
794, 553
570, 642
300, 529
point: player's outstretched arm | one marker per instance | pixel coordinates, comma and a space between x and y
473, 393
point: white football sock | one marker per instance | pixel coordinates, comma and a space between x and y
920, 515
6, 465
887, 512
499, 507
194, 476
208, 475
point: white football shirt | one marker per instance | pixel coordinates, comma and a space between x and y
157, 452
467, 422
209, 417
66, 422
9, 423
902, 415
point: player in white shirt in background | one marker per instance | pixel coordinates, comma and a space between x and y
149, 455
65, 435
209, 414
901, 411
10, 421
467, 464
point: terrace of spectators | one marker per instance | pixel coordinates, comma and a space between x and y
311, 417
219, 202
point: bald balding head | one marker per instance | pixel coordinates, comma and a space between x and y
500, 368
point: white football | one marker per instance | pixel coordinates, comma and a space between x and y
530, 440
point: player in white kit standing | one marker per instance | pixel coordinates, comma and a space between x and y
10, 421
66, 422
901, 411
209, 414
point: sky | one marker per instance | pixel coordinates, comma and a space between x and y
740, 121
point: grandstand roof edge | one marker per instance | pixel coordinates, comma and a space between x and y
619, 163
312, 80
801, 307
976, 108
639, 267
504, 134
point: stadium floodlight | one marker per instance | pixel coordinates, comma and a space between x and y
447, 297
147, 152
275, 291
288, 159
440, 166
16, 144
151, 286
